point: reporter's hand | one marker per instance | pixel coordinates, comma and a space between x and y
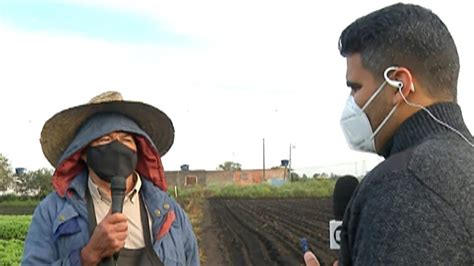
108, 238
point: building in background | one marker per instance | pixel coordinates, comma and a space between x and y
186, 177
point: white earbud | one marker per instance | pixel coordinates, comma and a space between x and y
394, 83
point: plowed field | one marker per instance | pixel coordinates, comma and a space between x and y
265, 231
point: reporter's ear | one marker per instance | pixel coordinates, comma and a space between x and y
404, 84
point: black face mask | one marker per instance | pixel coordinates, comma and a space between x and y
112, 159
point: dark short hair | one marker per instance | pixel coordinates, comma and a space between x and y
410, 36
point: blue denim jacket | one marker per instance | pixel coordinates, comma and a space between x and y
59, 229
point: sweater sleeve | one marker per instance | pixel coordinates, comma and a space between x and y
404, 223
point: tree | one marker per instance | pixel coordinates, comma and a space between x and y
229, 166
6, 173
37, 183
294, 177
333, 176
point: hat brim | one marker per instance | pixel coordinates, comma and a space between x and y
59, 130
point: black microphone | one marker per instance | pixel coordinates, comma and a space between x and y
117, 186
343, 191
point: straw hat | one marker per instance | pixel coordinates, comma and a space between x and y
59, 130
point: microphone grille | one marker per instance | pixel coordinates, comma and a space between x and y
343, 191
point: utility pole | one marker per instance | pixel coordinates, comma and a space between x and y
263, 159
289, 165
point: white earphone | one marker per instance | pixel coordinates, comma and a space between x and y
394, 83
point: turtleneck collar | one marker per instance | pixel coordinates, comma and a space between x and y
421, 126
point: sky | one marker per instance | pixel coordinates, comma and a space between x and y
228, 73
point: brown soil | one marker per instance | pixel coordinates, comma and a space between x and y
265, 231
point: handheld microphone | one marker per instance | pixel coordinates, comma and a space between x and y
117, 186
343, 191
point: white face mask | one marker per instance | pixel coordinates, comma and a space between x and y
356, 125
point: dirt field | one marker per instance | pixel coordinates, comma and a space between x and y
265, 231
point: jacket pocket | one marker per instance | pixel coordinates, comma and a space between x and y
66, 222
69, 227
69, 231
172, 248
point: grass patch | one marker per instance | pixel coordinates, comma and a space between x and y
11, 251
301, 189
14, 226
310, 188
13, 230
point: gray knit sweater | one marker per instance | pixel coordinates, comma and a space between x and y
416, 207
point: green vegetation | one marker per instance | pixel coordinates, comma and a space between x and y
229, 166
6, 173
14, 226
10, 251
37, 183
300, 189
13, 230
310, 188
25, 183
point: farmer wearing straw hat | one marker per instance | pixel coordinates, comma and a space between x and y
88, 144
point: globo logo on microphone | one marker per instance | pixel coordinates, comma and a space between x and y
335, 234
